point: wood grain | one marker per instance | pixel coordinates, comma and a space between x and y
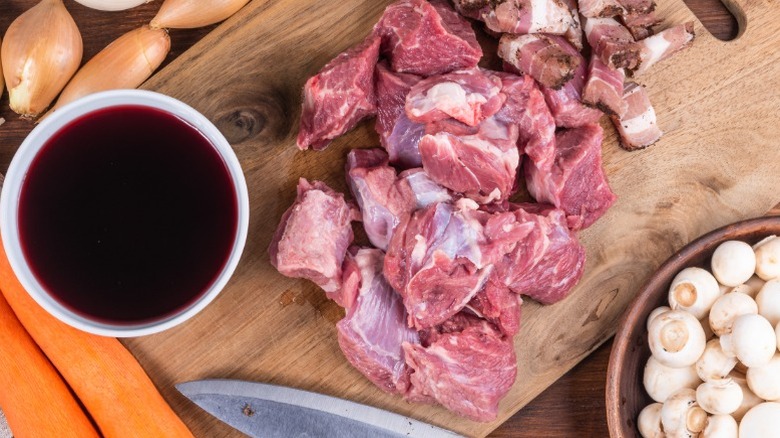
574, 405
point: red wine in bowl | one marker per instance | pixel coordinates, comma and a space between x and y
127, 215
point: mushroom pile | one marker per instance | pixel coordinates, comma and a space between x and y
715, 367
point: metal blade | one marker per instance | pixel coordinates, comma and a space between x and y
262, 410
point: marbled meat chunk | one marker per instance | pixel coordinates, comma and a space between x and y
427, 38
397, 134
499, 305
374, 329
313, 236
638, 128
339, 96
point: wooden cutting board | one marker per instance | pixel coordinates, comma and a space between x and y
719, 162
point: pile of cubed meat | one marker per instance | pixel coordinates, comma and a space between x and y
433, 305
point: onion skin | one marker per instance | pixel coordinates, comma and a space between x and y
41, 52
189, 14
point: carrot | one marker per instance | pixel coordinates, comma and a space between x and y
35, 399
111, 384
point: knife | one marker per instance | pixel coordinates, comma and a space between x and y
263, 410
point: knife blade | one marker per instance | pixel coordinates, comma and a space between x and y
264, 410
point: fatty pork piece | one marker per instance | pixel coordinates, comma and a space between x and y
427, 38
542, 57
520, 16
576, 182
566, 103
339, 96
499, 305
574, 34
374, 328
604, 88
468, 96
441, 256
548, 262
398, 135
313, 236
384, 197
600, 8
638, 128
663, 45
612, 43
466, 365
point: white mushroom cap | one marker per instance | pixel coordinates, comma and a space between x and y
762, 421
657, 311
733, 262
662, 381
749, 399
720, 426
768, 258
768, 301
649, 421
694, 290
719, 396
714, 364
727, 308
765, 381
676, 338
752, 340
681, 416
750, 287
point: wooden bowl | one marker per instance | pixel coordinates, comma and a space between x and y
625, 394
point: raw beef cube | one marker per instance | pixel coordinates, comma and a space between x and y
313, 236
468, 96
546, 59
520, 16
467, 366
441, 256
576, 183
427, 38
339, 96
663, 45
499, 305
374, 329
425, 190
638, 128
548, 262
398, 135
612, 43
566, 103
604, 88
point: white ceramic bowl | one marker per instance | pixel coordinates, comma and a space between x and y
9, 202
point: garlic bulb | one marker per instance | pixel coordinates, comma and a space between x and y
41, 51
188, 14
112, 5
125, 63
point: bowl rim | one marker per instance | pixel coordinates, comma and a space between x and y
664, 273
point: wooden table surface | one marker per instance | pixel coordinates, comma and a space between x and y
573, 406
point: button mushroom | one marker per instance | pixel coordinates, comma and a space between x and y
768, 301
662, 381
727, 308
719, 396
762, 421
676, 338
752, 340
693, 290
733, 262
720, 426
714, 364
750, 287
649, 421
681, 416
767, 254
657, 311
749, 399
765, 381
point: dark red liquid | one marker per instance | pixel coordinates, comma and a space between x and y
127, 214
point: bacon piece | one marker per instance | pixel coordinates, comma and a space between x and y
574, 34
520, 16
638, 6
612, 42
640, 25
468, 96
663, 45
638, 128
600, 8
604, 88
539, 56
566, 103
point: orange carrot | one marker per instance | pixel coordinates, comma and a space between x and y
107, 379
35, 399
